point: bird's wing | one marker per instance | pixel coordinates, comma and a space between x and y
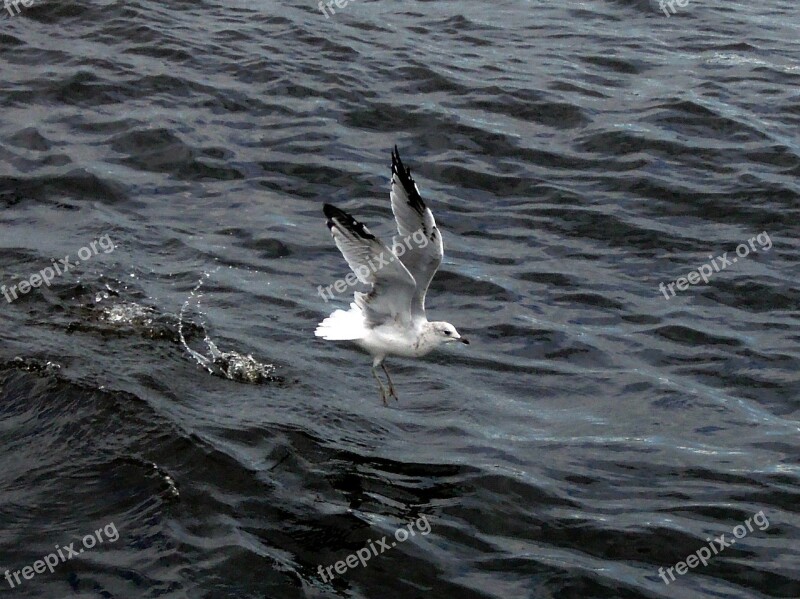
417, 232
373, 263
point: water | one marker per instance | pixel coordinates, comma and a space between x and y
576, 156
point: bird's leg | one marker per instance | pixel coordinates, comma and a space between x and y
391, 386
380, 385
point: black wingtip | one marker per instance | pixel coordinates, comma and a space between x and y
337, 216
404, 175
397, 163
330, 210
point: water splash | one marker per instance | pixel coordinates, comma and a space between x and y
230, 365
129, 314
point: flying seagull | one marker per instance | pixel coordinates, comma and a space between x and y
390, 320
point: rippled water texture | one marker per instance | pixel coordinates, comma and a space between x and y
576, 155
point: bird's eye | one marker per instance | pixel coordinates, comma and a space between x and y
447, 332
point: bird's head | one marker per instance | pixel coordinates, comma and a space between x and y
444, 333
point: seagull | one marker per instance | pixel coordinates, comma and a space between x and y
390, 319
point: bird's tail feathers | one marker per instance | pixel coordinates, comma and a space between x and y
343, 325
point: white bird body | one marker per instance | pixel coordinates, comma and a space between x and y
390, 340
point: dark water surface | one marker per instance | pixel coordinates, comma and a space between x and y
575, 154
